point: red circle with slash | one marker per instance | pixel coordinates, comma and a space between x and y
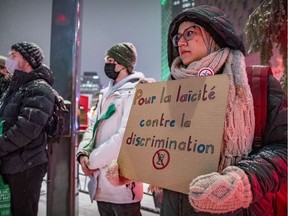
161, 159
205, 72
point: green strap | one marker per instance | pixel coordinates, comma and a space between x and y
1, 180
1, 126
91, 145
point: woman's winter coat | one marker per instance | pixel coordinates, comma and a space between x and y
266, 165
109, 135
24, 110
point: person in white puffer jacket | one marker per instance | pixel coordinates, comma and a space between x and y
102, 140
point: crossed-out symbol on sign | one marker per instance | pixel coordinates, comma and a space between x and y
161, 159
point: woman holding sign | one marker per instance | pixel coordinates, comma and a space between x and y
202, 42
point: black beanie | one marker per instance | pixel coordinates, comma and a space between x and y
31, 52
124, 54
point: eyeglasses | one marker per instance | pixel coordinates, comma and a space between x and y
188, 35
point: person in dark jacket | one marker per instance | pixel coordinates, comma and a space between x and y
201, 40
5, 76
24, 110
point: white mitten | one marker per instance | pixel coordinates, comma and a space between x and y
113, 176
221, 193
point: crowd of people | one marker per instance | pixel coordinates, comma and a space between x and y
250, 175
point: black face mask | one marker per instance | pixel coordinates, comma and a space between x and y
109, 69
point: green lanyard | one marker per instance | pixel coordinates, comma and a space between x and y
1, 126
111, 110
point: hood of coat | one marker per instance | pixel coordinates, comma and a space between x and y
213, 20
128, 82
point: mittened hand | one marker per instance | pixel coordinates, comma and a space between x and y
155, 189
113, 176
221, 193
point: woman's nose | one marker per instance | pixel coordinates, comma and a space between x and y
182, 43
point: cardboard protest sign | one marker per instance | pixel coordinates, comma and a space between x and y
174, 132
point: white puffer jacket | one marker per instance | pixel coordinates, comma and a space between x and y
109, 137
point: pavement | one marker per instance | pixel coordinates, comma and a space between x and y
86, 208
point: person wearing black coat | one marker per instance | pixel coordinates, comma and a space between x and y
248, 177
24, 111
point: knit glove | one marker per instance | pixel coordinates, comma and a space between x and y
113, 176
221, 193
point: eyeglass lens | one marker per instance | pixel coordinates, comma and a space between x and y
188, 35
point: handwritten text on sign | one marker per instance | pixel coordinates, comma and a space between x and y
174, 132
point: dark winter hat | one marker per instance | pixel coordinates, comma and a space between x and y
2, 61
125, 54
213, 20
31, 52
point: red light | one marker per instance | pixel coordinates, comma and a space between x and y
61, 19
